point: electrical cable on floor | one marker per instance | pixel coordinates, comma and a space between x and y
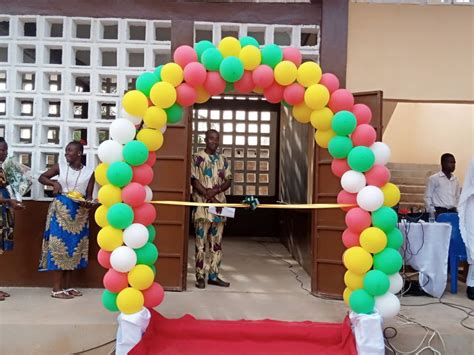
96, 347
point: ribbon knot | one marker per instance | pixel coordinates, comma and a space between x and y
252, 201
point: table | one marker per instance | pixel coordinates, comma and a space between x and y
426, 249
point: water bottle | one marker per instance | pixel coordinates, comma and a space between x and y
431, 217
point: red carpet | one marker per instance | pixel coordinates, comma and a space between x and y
188, 335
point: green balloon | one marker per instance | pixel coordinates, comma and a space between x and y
174, 114
201, 46
119, 174
339, 147
271, 55
388, 260
286, 104
229, 87
151, 233
147, 254
249, 41
376, 283
385, 218
361, 302
344, 123
145, 81
231, 69
157, 71
361, 159
109, 300
135, 153
120, 215
211, 59
394, 239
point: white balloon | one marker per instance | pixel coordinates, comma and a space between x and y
135, 236
353, 181
122, 130
149, 194
387, 305
370, 198
134, 119
110, 151
396, 283
123, 259
382, 153
163, 129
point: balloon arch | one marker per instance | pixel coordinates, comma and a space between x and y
126, 216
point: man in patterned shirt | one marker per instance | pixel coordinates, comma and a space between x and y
210, 178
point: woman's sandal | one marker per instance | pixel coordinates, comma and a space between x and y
73, 292
61, 294
4, 294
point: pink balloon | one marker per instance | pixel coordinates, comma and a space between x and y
144, 214
350, 238
378, 176
362, 112
151, 159
364, 134
195, 74
347, 198
103, 258
245, 85
153, 295
115, 281
357, 219
330, 81
341, 100
274, 93
186, 95
263, 76
143, 174
294, 94
293, 55
134, 194
184, 55
339, 167
214, 83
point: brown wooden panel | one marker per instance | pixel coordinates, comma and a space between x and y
166, 240
334, 272
170, 175
327, 182
169, 213
329, 244
170, 148
168, 272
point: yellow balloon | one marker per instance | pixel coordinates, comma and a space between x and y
229, 46
110, 238
258, 90
141, 277
251, 57
309, 73
101, 216
301, 113
321, 119
391, 194
172, 73
357, 260
202, 95
322, 138
373, 240
130, 300
285, 72
109, 195
152, 138
353, 281
346, 295
135, 103
163, 94
101, 174
155, 117
316, 96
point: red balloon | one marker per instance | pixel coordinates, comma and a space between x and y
103, 257
186, 95
143, 174
357, 219
294, 94
263, 76
341, 100
151, 159
214, 83
350, 238
364, 134
330, 81
144, 214
293, 55
362, 112
115, 281
183, 55
274, 93
339, 167
195, 74
378, 176
346, 198
153, 295
245, 85
134, 194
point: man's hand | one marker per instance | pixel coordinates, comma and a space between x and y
86, 203
57, 188
215, 200
17, 205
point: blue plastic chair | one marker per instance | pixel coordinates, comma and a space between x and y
457, 249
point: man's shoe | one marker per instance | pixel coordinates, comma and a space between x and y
470, 292
218, 282
200, 283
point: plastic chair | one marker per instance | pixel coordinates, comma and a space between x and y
457, 249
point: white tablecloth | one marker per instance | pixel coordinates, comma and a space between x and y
426, 248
